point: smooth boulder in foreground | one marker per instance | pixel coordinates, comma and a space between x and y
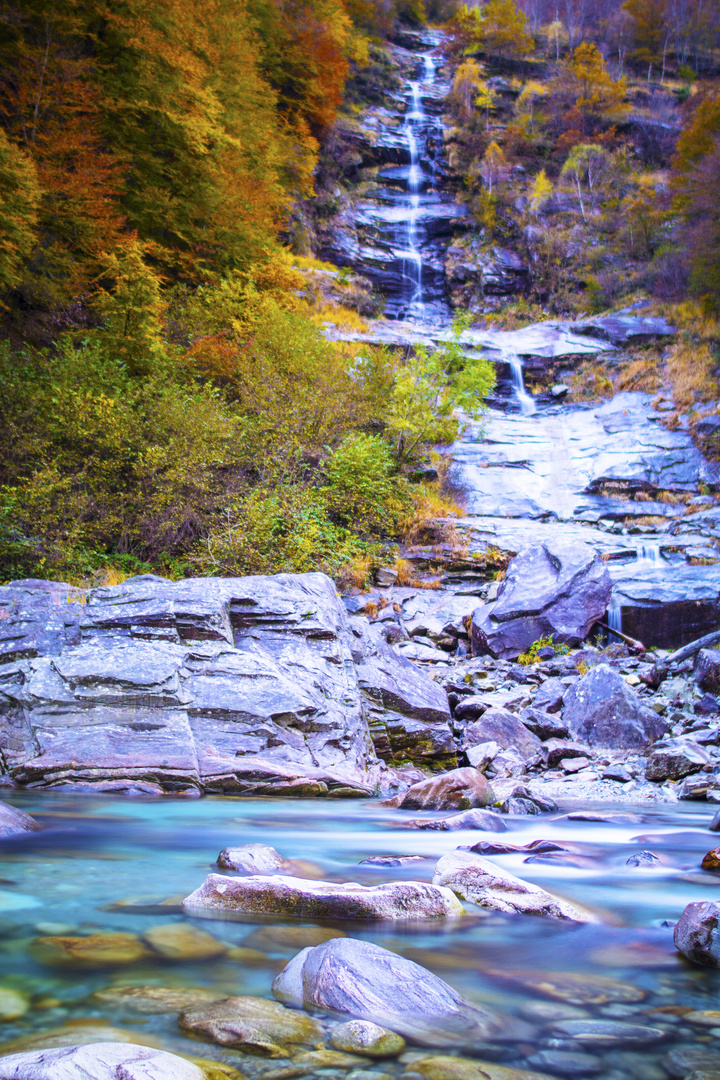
280, 895
352, 978
482, 882
14, 822
697, 933
99, 1061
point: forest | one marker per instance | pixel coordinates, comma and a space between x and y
169, 402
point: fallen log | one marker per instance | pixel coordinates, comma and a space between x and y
636, 646
660, 670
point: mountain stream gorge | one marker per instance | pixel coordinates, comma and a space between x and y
600, 992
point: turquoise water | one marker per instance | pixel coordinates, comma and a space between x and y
96, 852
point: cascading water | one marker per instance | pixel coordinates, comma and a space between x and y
524, 400
649, 556
614, 620
412, 258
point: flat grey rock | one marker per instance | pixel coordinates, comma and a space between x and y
507, 730
256, 684
223, 897
482, 882
352, 978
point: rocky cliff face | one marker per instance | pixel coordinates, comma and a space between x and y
248, 685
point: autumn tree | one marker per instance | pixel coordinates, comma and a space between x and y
585, 167
696, 183
497, 27
650, 32
584, 93
469, 86
494, 168
51, 108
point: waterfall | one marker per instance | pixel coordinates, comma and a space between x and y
524, 400
614, 619
412, 260
648, 555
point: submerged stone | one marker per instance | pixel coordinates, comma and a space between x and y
93, 951
181, 942
255, 1025
458, 1068
156, 1000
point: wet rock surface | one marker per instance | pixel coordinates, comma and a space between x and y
355, 978
482, 882
14, 822
255, 1025
99, 1061
213, 684
697, 936
279, 895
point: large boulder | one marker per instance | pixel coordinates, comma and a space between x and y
507, 730
244, 685
14, 822
557, 589
279, 895
460, 789
697, 933
99, 1061
352, 978
601, 709
482, 882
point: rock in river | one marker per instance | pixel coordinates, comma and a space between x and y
696, 934
482, 882
558, 589
602, 710
221, 896
255, 1025
358, 979
99, 1061
460, 789
458, 1068
364, 1037
14, 822
253, 859
247, 684
93, 951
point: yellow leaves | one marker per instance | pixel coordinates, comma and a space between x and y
595, 90
540, 192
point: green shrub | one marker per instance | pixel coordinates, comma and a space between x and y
363, 491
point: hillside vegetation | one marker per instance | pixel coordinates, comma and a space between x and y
168, 401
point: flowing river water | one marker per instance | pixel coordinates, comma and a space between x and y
608, 998
105, 865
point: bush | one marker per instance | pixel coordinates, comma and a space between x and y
363, 489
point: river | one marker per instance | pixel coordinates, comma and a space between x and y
97, 852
